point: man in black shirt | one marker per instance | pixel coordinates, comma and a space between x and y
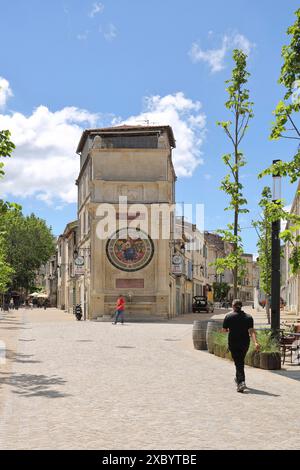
240, 327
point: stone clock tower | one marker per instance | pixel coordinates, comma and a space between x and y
131, 164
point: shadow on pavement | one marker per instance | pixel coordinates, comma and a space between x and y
31, 385
21, 339
290, 374
15, 328
254, 391
19, 357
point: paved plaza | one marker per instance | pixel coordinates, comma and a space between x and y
92, 385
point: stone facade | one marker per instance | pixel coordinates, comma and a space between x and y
127, 172
217, 248
66, 280
291, 282
249, 281
136, 163
195, 270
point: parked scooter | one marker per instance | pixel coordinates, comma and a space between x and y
78, 312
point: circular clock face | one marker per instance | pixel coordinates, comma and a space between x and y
79, 261
129, 249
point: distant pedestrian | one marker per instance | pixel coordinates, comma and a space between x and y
240, 327
120, 309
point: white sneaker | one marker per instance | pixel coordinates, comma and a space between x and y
241, 387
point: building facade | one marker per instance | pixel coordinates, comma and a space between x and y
127, 239
249, 280
67, 295
124, 172
192, 279
217, 248
290, 282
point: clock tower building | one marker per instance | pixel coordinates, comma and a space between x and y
126, 198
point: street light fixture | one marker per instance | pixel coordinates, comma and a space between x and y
276, 193
275, 275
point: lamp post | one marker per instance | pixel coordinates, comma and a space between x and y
76, 254
275, 275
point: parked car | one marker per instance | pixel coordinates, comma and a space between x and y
201, 304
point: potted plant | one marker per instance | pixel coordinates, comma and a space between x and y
269, 353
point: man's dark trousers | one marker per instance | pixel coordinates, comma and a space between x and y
238, 355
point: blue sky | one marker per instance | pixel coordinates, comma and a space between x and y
67, 65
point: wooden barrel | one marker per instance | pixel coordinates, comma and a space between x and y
199, 334
212, 326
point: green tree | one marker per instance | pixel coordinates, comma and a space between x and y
286, 126
6, 148
6, 271
239, 105
263, 229
29, 243
220, 290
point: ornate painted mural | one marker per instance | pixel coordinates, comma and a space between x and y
129, 252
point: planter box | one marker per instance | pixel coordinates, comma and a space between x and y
270, 361
249, 359
220, 350
262, 360
256, 359
228, 355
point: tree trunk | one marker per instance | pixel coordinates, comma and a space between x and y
236, 210
235, 271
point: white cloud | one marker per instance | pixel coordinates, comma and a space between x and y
96, 9
45, 166
5, 92
239, 41
109, 32
188, 122
215, 58
44, 163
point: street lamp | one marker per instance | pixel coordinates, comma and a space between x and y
275, 275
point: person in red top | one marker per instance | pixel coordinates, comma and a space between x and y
120, 308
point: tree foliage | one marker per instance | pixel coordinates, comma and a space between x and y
25, 242
240, 106
264, 231
6, 271
6, 148
221, 290
286, 126
263, 228
29, 243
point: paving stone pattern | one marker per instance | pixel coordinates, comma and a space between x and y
92, 385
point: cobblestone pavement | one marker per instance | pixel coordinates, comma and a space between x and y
92, 385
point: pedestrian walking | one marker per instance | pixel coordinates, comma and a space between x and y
120, 309
240, 327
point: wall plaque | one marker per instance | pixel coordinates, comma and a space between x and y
130, 283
